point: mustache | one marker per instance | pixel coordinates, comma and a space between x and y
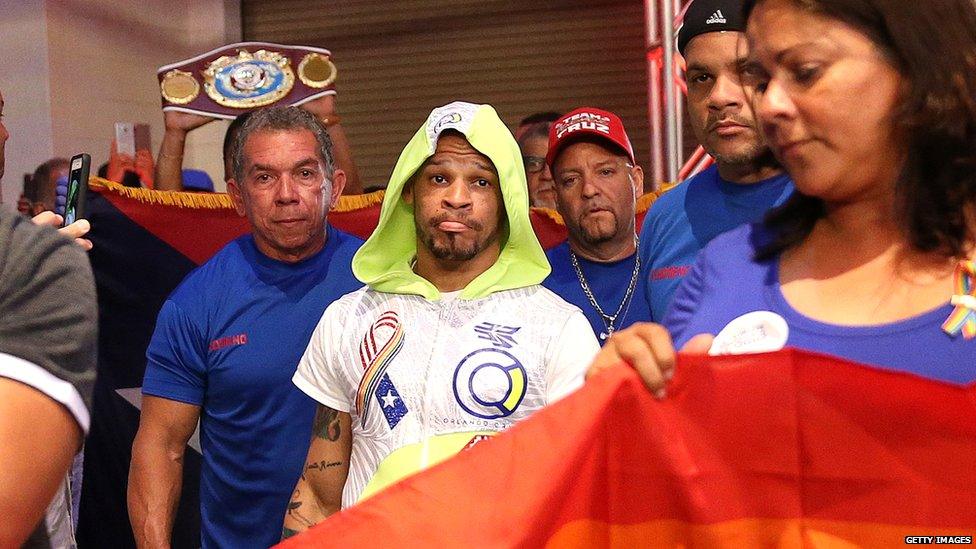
713, 121
438, 219
597, 205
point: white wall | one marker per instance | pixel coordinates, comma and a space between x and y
82, 65
26, 91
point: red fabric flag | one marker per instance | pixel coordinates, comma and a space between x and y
786, 449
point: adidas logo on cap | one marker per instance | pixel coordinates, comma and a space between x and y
716, 17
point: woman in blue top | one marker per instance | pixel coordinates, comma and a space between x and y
871, 107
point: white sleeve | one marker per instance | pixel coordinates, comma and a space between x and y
572, 354
61, 391
320, 372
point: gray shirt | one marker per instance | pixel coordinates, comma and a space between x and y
48, 309
48, 318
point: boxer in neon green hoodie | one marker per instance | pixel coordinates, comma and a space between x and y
453, 338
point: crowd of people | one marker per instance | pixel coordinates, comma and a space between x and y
839, 216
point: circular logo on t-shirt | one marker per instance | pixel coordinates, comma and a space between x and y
755, 332
489, 383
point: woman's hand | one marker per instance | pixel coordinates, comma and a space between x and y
647, 348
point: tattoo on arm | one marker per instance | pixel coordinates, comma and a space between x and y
305, 509
326, 424
322, 465
294, 511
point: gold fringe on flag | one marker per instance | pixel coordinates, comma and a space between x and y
551, 214
349, 202
645, 201
206, 201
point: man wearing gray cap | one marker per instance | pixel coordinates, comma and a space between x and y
745, 180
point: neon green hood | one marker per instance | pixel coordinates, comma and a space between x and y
383, 262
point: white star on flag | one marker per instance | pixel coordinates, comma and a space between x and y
389, 400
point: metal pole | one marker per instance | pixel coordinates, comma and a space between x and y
679, 107
680, 7
670, 94
654, 77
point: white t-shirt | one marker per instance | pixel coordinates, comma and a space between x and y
423, 379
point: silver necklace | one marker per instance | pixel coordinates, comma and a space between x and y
608, 320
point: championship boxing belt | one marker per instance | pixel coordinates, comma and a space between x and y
236, 78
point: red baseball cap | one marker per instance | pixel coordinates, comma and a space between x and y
588, 121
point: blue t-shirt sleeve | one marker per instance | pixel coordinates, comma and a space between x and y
684, 305
176, 358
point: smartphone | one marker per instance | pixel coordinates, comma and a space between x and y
130, 138
125, 138
74, 207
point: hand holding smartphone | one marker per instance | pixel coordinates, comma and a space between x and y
74, 208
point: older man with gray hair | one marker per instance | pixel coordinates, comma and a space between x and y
228, 339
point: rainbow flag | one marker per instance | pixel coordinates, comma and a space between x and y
786, 449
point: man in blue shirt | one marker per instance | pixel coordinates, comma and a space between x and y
597, 185
745, 180
229, 338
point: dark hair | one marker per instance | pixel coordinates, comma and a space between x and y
44, 186
231, 133
129, 178
49, 166
535, 118
372, 188
281, 118
932, 44
537, 129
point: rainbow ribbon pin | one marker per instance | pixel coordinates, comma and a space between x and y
963, 317
375, 360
